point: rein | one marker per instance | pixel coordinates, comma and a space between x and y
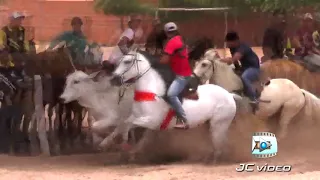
128, 83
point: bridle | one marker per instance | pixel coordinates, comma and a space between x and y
134, 64
129, 82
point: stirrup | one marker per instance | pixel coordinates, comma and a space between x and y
182, 125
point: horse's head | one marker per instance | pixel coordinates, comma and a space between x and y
79, 83
204, 69
131, 67
93, 54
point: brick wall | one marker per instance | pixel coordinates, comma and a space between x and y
51, 17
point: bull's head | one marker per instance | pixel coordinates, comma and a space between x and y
79, 84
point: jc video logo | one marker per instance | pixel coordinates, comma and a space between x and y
264, 145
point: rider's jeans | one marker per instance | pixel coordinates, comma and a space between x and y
174, 90
249, 76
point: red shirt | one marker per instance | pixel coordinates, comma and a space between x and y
179, 61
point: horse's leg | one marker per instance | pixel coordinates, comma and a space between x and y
147, 137
219, 125
56, 124
61, 127
89, 135
14, 123
289, 110
69, 130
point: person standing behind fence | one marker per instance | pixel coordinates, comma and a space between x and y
126, 41
273, 39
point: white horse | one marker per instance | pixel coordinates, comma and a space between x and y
211, 68
284, 96
102, 101
214, 105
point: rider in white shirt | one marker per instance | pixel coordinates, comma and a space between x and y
126, 40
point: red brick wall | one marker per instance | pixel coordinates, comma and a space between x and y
51, 17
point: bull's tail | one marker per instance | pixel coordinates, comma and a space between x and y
236, 97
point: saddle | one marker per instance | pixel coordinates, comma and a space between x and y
189, 92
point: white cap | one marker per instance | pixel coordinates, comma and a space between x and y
307, 16
16, 15
170, 26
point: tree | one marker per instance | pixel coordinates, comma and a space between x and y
125, 7
122, 8
257, 5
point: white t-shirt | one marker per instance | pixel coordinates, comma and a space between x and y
116, 52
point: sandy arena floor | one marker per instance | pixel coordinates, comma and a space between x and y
299, 151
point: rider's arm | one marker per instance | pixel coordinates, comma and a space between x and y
236, 57
57, 40
126, 37
123, 45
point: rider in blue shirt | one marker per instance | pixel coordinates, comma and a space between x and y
250, 64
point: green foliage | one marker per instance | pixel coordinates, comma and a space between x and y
126, 7
122, 7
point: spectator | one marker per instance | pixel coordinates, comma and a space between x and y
305, 47
273, 39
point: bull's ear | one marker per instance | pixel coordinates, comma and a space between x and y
94, 76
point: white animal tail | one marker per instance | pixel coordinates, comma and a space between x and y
236, 97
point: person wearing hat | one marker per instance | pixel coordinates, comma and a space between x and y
124, 44
12, 38
13, 48
273, 38
176, 55
156, 39
250, 65
74, 39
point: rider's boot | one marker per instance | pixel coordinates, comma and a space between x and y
181, 123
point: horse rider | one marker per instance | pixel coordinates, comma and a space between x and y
273, 39
156, 39
75, 40
303, 41
125, 42
250, 65
13, 47
176, 55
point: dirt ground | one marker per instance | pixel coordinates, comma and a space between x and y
301, 151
